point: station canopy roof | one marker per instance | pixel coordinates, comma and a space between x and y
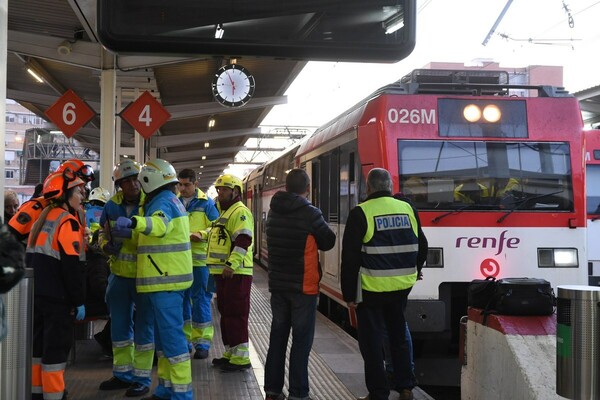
57, 39
589, 101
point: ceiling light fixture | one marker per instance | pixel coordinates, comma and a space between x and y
35, 75
211, 122
219, 31
206, 145
394, 23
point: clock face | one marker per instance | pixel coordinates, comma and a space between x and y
233, 85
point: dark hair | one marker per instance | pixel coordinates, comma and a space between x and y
187, 174
37, 192
297, 181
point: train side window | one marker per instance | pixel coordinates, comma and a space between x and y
315, 183
324, 185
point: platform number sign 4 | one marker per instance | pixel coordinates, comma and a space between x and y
70, 113
146, 115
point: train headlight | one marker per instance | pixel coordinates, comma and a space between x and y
472, 113
557, 258
491, 113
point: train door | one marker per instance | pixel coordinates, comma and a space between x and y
258, 217
324, 173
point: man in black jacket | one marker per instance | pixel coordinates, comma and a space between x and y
296, 231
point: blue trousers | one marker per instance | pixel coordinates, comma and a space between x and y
196, 307
295, 312
174, 365
120, 298
384, 310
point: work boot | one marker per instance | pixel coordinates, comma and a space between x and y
114, 383
217, 362
201, 354
137, 389
229, 367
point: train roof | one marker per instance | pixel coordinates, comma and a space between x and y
429, 81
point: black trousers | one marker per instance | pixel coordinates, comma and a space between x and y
52, 339
374, 314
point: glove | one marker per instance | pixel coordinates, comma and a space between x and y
80, 313
121, 233
123, 222
111, 248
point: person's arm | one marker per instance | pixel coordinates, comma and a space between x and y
70, 240
323, 234
241, 237
356, 226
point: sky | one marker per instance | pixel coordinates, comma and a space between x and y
453, 31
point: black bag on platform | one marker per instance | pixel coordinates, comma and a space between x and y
480, 292
523, 296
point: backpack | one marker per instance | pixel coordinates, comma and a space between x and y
511, 296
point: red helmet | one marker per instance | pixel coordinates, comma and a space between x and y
56, 184
84, 171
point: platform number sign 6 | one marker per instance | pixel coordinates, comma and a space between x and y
146, 115
70, 113
69, 116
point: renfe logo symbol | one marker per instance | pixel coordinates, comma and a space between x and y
488, 242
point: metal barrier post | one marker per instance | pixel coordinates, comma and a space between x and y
15, 349
578, 342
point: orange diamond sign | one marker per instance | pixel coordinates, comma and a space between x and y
70, 113
146, 115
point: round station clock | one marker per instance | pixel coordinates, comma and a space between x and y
233, 85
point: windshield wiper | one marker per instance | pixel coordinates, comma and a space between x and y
457, 211
524, 201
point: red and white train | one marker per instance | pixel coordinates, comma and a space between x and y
495, 170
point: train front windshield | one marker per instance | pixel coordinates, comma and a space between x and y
486, 175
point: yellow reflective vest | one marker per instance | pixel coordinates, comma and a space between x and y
123, 264
390, 246
201, 212
236, 220
164, 256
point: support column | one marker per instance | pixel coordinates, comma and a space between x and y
3, 66
108, 84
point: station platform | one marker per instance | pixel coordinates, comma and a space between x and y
335, 366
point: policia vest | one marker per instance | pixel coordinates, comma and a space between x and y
390, 246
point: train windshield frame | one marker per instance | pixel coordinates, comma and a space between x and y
486, 175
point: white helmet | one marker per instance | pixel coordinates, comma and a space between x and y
155, 174
125, 169
99, 194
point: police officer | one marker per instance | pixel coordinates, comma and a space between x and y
379, 258
132, 365
56, 253
197, 316
164, 272
230, 261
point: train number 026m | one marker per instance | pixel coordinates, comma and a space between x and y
413, 116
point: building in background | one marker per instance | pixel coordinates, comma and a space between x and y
18, 120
